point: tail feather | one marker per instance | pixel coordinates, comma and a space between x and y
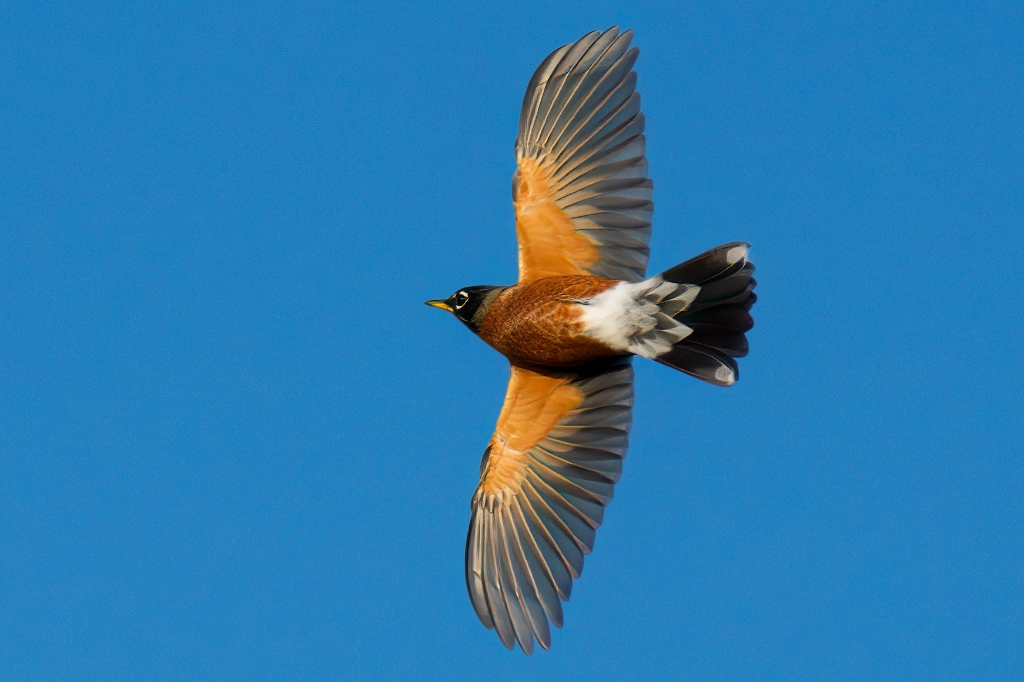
719, 315
733, 344
710, 266
702, 362
734, 318
734, 288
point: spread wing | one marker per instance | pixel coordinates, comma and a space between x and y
581, 193
545, 479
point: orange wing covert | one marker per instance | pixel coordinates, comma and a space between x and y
545, 479
581, 193
534, 403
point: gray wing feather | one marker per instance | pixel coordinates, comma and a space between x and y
526, 543
512, 590
528, 592
541, 576
528, 113
475, 572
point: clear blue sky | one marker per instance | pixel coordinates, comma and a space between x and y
235, 445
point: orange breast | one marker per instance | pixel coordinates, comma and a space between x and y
537, 323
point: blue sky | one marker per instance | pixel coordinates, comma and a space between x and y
235, 445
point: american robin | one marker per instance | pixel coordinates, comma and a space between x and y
581, 309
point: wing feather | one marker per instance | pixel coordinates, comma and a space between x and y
557, 563
475, 572
582, 168
566, 544
590, 79
542, 494
542, 578
538, 83
511, 591
522, 573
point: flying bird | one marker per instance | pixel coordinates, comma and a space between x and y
570, 327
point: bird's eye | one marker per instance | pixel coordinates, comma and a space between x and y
461, 299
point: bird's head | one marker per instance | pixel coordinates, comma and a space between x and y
469, 304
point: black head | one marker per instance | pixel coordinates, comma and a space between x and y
469, 304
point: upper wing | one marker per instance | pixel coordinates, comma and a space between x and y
545, 479
581, 192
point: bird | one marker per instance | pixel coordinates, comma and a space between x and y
582, 309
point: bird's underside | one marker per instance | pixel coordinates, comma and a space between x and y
581, 309
540, 323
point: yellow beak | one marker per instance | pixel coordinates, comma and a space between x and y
440, 304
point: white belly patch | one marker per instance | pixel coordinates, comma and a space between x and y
636, 317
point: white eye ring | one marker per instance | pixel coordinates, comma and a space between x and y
461, 299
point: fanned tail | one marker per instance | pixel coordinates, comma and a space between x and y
719, 315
